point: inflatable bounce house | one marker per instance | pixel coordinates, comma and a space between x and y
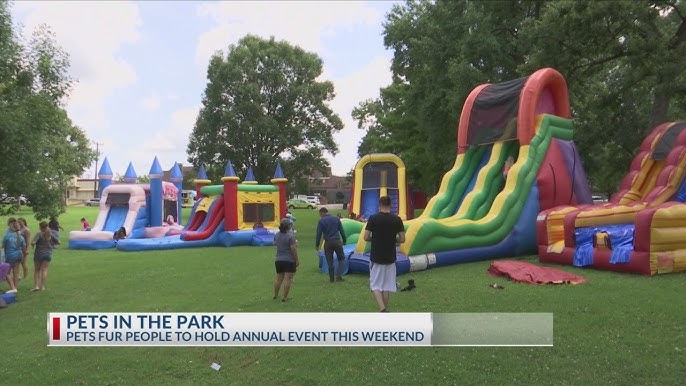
224, 215
138, 208
483, 209
643, 227
377, 175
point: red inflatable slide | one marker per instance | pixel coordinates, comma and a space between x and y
216, 216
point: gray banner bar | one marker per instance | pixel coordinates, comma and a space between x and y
492, 329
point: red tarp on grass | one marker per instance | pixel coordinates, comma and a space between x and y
532, 274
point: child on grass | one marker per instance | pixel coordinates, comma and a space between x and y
85, 226
44, 243
13, 246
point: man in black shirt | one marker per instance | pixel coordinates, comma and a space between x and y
384, 230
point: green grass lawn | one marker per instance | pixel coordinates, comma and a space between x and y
615, 329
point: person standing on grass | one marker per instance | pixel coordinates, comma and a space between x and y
13, 246
384, 230
55, 226
330, 227
10, 221
26, 235
286, 260
42, 256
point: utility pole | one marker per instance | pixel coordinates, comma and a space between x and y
95, 176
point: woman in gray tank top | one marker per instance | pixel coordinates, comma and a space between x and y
286, 260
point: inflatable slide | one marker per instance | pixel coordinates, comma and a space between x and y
377, 175
230, 214
641, 229
484, 210
203, 230
120, 206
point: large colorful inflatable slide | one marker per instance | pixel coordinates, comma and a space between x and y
643, 227
483, 210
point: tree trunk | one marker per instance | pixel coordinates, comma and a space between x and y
658, 113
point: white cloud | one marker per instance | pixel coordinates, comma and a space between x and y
350, 91
152, 102
168, 145
93, 35
172, 96
305, 24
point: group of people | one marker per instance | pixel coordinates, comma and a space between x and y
384, 230
15, 250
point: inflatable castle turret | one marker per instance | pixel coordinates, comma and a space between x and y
230, 181
250, 177
200, 181
280, 181
155, 175
105, 175
176, 177
130, 176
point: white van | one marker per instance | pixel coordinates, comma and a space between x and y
312, 199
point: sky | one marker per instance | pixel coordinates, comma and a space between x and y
141, 66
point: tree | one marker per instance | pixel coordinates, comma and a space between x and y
623, 61
626, 72
264, 103
41, 149
144, 179
188, 179
442, 50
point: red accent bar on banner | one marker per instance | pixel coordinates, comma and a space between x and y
56, 328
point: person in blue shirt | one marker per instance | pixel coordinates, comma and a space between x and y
331, 229
13, 245
292, 219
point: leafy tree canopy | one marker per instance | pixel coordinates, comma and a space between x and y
264, 103
623, 61
40, 147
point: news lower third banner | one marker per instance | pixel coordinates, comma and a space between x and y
300, 329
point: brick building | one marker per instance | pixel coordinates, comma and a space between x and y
330, 189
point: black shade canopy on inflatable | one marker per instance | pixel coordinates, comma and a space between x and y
494, 114
667, 141
374, 178
118, 199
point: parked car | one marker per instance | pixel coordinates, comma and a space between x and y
599, 199
5, 199
312, 199
296, 203
92, 202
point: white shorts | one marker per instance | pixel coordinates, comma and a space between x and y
382, 277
